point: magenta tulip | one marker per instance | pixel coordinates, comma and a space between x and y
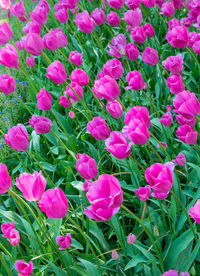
133, 18
135, 81
138, 112
174, 64
32, 27
7, 84
132, 4
113, 68
6, 33
5, 179
113, 19
175, 84
9, 57
98, 128
180, 159
166, 119
56, 72
84, 22
50, 40
18, 10
64, 242
61, 15
115, 109
39, 14
41, 124
44, 100
17, 138
168, 9
149, 30
14, 237
98, 16
132, 51
79, 76
150, 56
131, 239
74, 91
116, 4
143, 192
76, 58
178, 37
33, 44
182, 121
194, 211
30, 61
24, 269
64, 101
86, 166
138, 34
61, 37
6, 229
187, 134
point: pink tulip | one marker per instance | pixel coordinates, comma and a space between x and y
149, 3
175, 84
132, 4
194, 211
173, 23
76, 58
117, 48
150, 56
169, 108
168, 9
62, 15
160, 195
143, 192
79, 76
9, 57
182, 121
193, 37
138, 112
115, 255
5, 4
178, 37
166, 119
68, 4
100, 214
61, 36
115, 109
39, 14
160, 177
71, 114
44, 100
133, 17
50, 40
86, 185
44, 4
113, 19
98, 16
6, 229
17, 138
118, 145
33, 44
161, 143
56, 72
186, 104
7, 84
113, 68
170, 272
74, 91
6, 33
131, 239
196, 47
54, 203
132, 51
178, 4
18, 44
180, 159
18, 10
64, 101
135, 81
116, 4
14, 237
107, 88
187, 134
86, 166
5, 179
30, 61
31, 185
149, 30
64, 242
98, 128
138, 34
24, 268
32, 27
84, 22
174, 64
41, 124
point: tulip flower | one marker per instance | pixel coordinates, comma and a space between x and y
86, 166
17, 138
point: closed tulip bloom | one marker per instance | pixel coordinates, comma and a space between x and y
149, 3
196, 47
64, 242
178, 4
113, 68
175, 84
131, 239
68, 4
117, 48
137, 132
24, 269
98, 128
160, 176
132, 51
118, 145
64, 101
143, 192
61, 37
79, 76
115, 109
31, 185
62, 15
14, 237
98, 16
86, 166
33, 44
5, 4
194, 211
174, 64
56, 72
115, 255
71, 114
7, 84
44, 100
187, 134
166, 119
32, 27
41, 124
138, 112
76, 58
6, 229
84, 22
39, 14
9, 57
168, 9
6, 33
113, 19
17, 138
148, 29
186, 104
30, 61
133, 17
18, 10
132, 4
178, 37
138, 34
173, 23
193, 37
5, 179
160, 195
74, 91
54, 203
150, 56
135, 81
183, 121
116, 4
86, 185
50, 40
107, 88
180, 159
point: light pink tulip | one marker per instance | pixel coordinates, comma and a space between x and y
131, 239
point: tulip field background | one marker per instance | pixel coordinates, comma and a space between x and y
123, 146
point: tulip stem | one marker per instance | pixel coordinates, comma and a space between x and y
6, 252
128, 164
9, 272
162, 147
159, 157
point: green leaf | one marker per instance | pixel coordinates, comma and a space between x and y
139, 258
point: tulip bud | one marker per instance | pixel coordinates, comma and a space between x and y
131, 239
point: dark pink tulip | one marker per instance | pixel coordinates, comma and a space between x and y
61, 36
183, 121
50, 40
76, 58
100, 214
18, 10
113, 68
135, 81
107, 88
64, 242
187, 22
196, 47
41, 124
150, 56
24, 269
149, 3
194, 211
170, 272
39, 14
149, 30
74, 90
68, 4
5, 4
7, 84
117, 48
160, 176
79, 76
54, 203
6, 33
173, 23
86, 166
131, 239
174, 64
14, 237
6, 228
178, 37
187, 134
169, 108
166, 119
44, 100
9, 57
180, 159
133, 17
115, 109
44, 4
143, 192
84, 22
61, 15
86, 185
116, 4
98, 128
138, 34
118, 145
56, 72
32, 27
186, 104
98, 16
159, 3
193, 37
132, 4
17, 138
30, 61
160, 195
5, 179
113, 19
178, 4
64, 101
168, 9
33, 44
175, 84
138, 112
132, 51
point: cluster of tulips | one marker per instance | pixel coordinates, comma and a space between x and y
104, 191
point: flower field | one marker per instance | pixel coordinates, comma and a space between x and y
99, 137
